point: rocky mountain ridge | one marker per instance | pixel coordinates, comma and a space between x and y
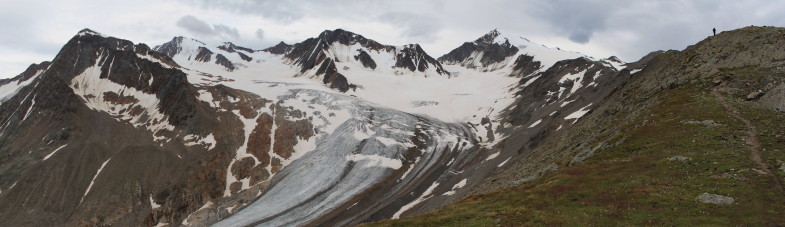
302, 134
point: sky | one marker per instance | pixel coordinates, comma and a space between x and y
34, 31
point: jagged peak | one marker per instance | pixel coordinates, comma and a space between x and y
231, 47
280, 48
31, 71
503, 38
613, 59
348, 38
489, 38
180, 39
413, 45
87, 31
175, 45
338, 32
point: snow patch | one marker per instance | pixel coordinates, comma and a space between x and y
230, 208
492, 156
90, 32
93, 180
504, 162
29, 109
575, 78
153, 204
425, 195
7, 91
54, 151
578, 114
91, 88
193, 140
535, 123
208, 97
455, 187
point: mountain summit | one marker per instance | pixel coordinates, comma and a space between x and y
496, 50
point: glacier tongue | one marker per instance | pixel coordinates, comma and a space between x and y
367, 149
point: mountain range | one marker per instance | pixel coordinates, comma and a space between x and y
336, 130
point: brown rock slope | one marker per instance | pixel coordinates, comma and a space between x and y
648, 153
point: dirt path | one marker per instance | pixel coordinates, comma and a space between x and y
752, 140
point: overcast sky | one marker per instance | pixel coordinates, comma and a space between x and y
35, 30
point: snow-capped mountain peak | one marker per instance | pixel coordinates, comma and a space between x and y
88, 31
496, 50
280, 48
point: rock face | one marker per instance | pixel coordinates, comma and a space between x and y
280, 48
365, 59
204, 55
490, 49
223, 61
116, 133
775, 99
104, 148
716, 199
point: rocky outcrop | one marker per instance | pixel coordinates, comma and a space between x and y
716, 199
774, 98
244, 57
223, 61
289, 133
240, 51
526, 65
332, 77
231, 48
414, 58
365, 59
203, 55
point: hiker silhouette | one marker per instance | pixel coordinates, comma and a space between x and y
714, 30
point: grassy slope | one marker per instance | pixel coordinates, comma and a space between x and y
633, 183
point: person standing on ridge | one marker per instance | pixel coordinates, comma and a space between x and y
714, 30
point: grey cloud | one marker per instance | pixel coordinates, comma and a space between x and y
260, 33
288, 11
579, 20
418, 19
199, 27
281, 10
418, 27
226, 30
192, 24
